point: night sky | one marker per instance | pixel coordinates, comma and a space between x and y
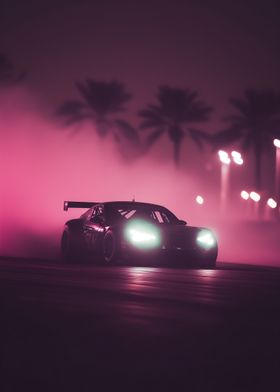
218, 48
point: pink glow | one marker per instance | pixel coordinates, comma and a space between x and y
271, 203
245, 195
45, 165
199, 199
276, 143
237, 158
224, 158
236, 154
255, 196
238, 161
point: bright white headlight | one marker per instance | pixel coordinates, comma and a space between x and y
142, 234
205, 239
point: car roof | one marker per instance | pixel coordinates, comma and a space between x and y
131, 204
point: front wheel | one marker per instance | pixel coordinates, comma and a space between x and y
110, 251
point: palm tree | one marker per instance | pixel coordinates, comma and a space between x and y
7, 72
177, 109
255, 124
100, 101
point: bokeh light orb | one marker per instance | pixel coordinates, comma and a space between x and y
199, 199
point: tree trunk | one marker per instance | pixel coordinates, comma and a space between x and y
177, 150
176, 135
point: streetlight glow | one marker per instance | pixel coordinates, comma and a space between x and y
276, 143
237, 158
224, 158
199, 199
238, 161
236, 154
271, 203
255, 196
245, 195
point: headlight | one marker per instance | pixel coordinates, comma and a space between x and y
205, 239
142, 234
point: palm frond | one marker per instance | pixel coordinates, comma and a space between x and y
151, 124
152, 111
199, 136
128, 131
225, 137
103, 97
240, 105
182, 105
154, 136
71, 108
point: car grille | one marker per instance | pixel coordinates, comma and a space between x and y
179, 241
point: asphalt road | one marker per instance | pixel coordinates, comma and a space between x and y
117, 328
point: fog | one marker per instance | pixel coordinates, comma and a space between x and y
43, 164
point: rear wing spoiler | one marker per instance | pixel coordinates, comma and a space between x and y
78, 204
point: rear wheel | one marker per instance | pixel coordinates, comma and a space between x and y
110, 251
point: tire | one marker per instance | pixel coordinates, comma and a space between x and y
110, 249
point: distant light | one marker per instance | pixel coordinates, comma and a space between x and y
199, 199
271, 203
237, 158
255, 196
276, 143
236, 154
224, 158
238, 161
245, 195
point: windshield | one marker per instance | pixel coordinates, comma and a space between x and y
155, 214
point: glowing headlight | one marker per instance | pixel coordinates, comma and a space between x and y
142, 234
205, 239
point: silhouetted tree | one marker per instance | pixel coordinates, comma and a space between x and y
255, 124
8, 75
100, 102
175, 113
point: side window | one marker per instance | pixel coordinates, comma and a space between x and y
87, 215
159, 217
93, 214
97, 214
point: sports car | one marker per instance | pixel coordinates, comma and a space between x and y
135, 232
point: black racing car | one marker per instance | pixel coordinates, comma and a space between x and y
132, 231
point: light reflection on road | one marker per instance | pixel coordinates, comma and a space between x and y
205, 273
138, 273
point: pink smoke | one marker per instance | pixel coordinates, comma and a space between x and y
43, 164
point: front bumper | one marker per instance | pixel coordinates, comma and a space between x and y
171, 256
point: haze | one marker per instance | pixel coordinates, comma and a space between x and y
218, 50
44, 164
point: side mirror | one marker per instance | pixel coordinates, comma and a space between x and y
182, 222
